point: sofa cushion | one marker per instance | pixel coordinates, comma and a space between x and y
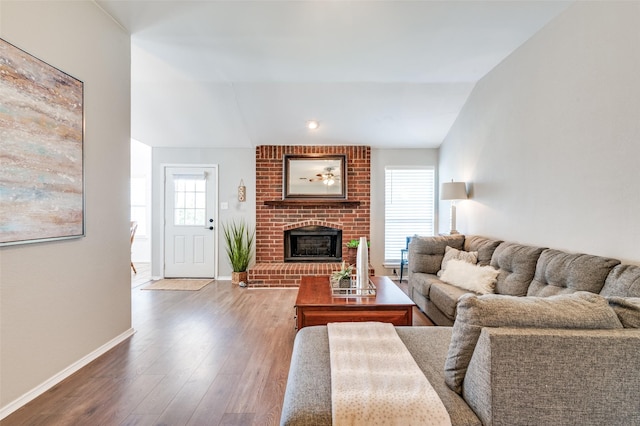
484, 246
558, 272
445, 297
581, 310
428, 346
623, 281
479, 279
451, 253
517, 265
426, 253
421, 283
627, 309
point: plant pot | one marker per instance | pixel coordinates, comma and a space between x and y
351, 255
344, 283
238, 277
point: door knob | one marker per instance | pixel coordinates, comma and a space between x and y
211, 228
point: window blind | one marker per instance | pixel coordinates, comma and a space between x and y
409, 207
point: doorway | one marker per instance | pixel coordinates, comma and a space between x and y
190, 221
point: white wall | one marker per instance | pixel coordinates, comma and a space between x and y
233, 165
381, 158
61, 301
550, 139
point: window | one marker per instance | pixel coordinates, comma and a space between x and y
190, 203
139, 204
409, 207
141, 188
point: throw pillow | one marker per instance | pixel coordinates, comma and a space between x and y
480, 279
579, 310
627, 309
451, 253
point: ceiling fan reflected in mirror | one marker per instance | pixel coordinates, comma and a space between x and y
308, 176
327, 177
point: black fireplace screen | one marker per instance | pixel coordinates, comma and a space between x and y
313, 244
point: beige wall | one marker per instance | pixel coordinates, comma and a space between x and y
61, 301
550, 139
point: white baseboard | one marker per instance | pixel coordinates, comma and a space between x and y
52, 381
224, 278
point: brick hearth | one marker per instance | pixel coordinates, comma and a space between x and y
272, 218
289, 274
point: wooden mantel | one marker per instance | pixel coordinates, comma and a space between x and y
312, 202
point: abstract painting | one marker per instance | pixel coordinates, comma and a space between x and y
41, 150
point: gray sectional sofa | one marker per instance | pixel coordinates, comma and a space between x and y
563, 356
523, 271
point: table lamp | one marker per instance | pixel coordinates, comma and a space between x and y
453, 191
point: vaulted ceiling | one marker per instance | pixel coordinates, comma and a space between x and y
248, 73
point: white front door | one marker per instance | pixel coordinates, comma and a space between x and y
190, 222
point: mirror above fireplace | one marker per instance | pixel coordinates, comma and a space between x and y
311, 176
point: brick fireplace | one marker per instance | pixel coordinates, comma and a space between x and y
274, 217
313, 244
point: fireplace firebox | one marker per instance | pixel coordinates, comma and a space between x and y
313, 244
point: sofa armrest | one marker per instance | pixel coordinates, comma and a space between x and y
550, 376
307, 399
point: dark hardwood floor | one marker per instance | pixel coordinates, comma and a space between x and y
218, 356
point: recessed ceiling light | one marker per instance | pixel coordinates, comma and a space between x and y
312, 124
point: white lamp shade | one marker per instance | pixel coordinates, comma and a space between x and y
453, 191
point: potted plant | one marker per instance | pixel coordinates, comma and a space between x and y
353, 244
239, 245
342, 277
352, 250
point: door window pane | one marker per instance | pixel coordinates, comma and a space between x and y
190, 201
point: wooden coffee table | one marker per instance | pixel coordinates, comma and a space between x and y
316, 305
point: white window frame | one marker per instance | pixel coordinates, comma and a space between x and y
401, 205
